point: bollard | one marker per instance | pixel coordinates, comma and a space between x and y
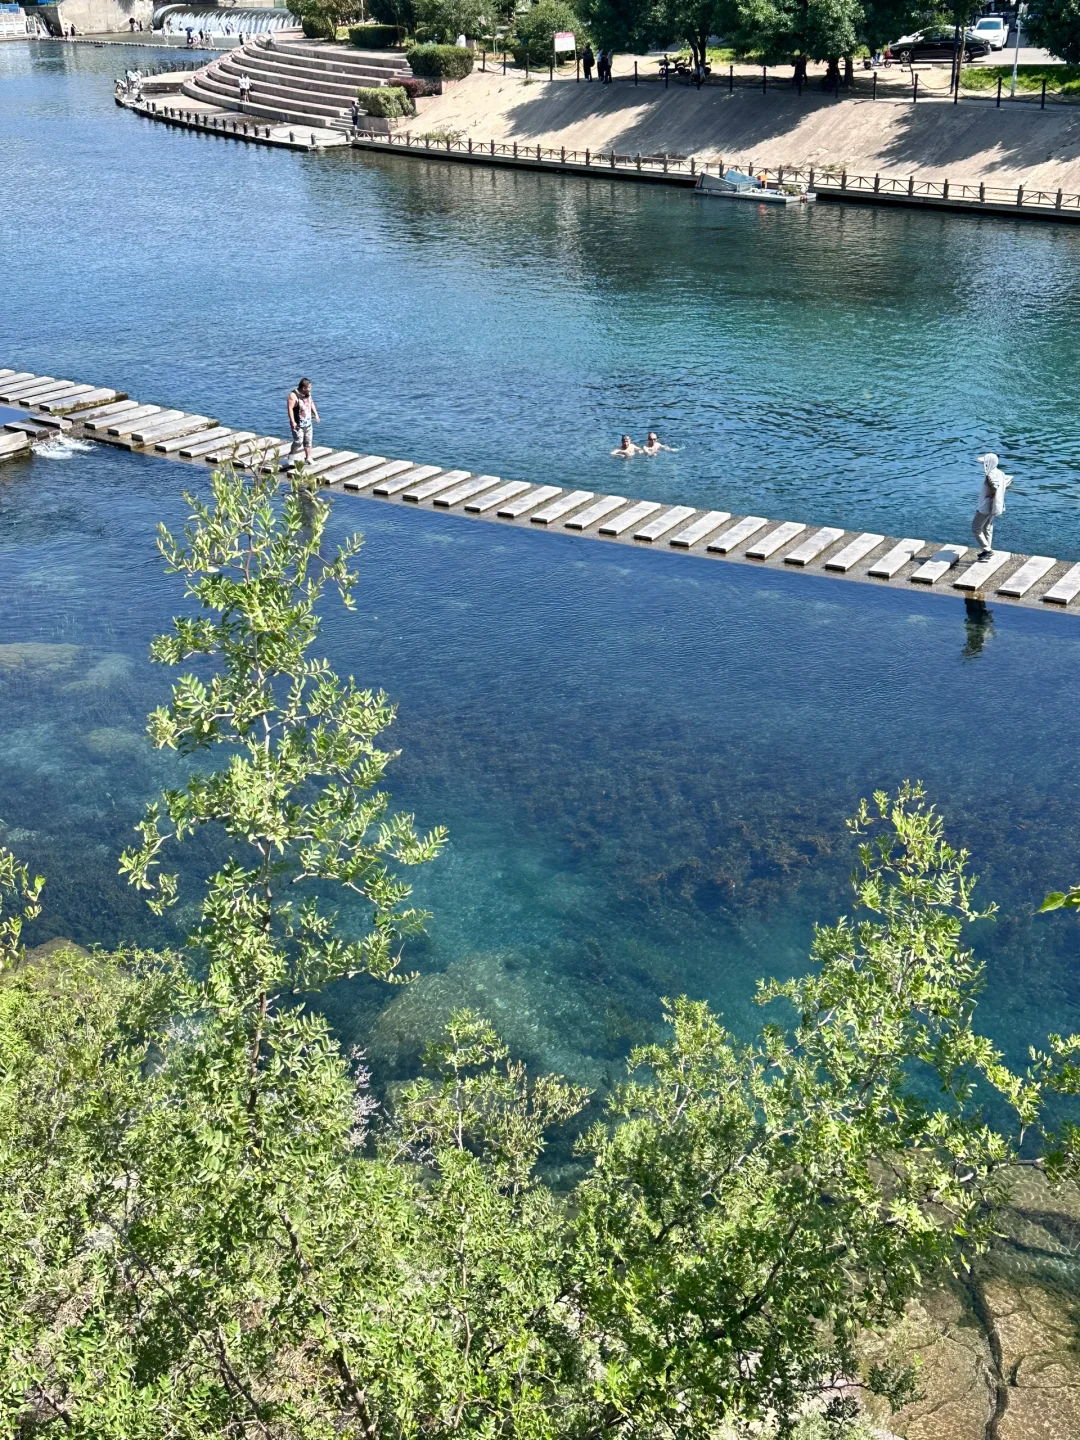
915, 89
810, 183
982, 193
562, 155
1042, 102
551, 70
577, 67
448, 144
639, 160
493, 147
504, 62
667, 74
635, 72
764, 79
526, 63
665, 164
515, 149
586, 159
538, 154
613, 159
1020, 197
731, 79
470, 146
945, 190
999, 93
1057, 202
911, 185
843, 180
693, 165
292, 137
874, 95
483, 60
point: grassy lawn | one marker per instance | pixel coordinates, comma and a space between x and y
1063, 79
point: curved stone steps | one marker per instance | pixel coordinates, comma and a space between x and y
271, 92
279, 114
265, 64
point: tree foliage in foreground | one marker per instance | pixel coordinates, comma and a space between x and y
1055, 24
209, 1227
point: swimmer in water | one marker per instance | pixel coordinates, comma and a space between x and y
626, 447
652, 445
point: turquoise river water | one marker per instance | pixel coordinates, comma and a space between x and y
645, 762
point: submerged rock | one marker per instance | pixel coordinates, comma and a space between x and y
36, 655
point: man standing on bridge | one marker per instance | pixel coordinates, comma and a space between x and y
302, 413
991, 504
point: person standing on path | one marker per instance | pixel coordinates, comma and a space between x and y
991, 504
245, 88
588, 60
302, 414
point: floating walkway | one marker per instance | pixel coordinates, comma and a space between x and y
898, 563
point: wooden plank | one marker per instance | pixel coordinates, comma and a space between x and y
769, 544
78, 403
659, 527
710, 521
224, 450
496, 497
812, 548
20, 385
1032, 570
976, 576
156, 430
589, 516
57, 395
207, 441
475, 486
525, 503
130, 417
1066, 589
736, 534
17, 377
619, 524
899, 556
115, 407
326, 459
856, 550
399, 480
446, 481
939, 564
560, 507
352, 469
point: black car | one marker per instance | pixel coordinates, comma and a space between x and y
937, 45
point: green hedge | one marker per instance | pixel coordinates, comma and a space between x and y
319, 29
389, 102
376, 37
441, 62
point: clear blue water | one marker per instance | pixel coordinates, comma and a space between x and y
644, 762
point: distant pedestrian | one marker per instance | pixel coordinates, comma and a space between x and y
245, 88
588, 60
302, 414
131, 22
355, 110
991, 504
72, 32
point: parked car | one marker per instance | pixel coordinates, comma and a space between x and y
994, 29
937, 45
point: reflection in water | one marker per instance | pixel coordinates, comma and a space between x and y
978, 626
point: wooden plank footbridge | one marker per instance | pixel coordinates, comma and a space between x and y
906, 562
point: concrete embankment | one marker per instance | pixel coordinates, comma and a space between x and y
971, 142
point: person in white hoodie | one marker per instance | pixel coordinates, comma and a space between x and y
991, 504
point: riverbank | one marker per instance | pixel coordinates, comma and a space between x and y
973, 143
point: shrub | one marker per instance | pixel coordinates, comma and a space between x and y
536, 30
316, 29
376, 37
441, 62
388, 102
415, 87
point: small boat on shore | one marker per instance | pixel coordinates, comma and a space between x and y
737, 185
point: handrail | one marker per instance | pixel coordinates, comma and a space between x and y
823, 180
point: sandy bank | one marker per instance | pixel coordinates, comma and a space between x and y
971, 142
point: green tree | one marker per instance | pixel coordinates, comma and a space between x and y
536, 29
1055, 24
394, 12
321, 18
445, 20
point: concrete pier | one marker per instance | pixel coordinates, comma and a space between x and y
1031, 581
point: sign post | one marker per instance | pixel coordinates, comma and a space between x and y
563, 42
